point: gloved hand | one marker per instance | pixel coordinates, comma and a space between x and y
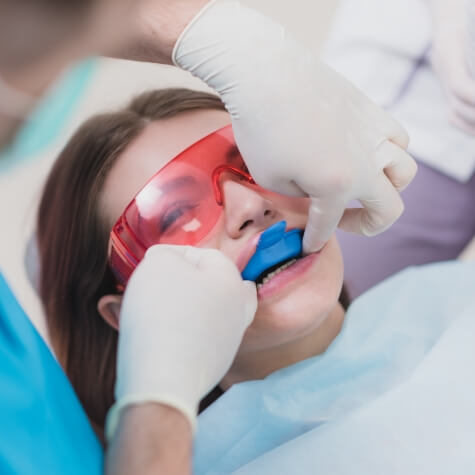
301, 128
182, 319
453, 51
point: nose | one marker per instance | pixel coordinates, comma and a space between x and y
245, 208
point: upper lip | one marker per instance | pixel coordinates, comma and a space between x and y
249, 249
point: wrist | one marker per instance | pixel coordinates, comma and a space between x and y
167, 417
151, 438
168, 400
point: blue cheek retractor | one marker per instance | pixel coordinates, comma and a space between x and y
275, 245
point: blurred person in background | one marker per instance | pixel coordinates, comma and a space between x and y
423, 77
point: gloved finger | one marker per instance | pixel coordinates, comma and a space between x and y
396, 133
211, 260
462, 124
381, 208
284, 186
250, 301
174, 255
200, 258
397, 164
162, 251
379, 122
323, 217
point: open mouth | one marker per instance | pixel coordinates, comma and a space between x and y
274, 250
272, 271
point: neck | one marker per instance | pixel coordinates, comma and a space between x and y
259, 364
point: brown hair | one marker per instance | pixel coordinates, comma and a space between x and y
73, 239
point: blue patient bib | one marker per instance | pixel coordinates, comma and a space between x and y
44, 429
393, 393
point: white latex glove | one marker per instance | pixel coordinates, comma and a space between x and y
182, 319
453, 57
301, 127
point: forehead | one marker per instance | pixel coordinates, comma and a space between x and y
158, 143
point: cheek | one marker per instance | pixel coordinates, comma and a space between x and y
303, 309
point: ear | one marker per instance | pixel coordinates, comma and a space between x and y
109, 308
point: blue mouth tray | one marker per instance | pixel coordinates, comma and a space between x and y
275, 245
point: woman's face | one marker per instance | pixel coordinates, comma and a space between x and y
291, 305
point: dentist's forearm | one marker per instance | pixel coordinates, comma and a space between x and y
150, 439
156, 28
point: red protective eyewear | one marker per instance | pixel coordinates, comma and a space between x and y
180, 204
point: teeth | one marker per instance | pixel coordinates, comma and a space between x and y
275, 272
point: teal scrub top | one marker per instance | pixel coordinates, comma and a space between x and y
44, 429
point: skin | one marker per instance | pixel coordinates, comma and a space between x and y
151, 439
297, 322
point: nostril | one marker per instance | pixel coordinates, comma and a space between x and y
267, 212
245, 224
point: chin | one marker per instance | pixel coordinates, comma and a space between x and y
302, 307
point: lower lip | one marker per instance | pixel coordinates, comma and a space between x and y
287, 276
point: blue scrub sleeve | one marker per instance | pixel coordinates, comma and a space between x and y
44, 429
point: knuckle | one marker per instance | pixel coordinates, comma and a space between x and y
340, 180
394, 213
375, 223
399, 209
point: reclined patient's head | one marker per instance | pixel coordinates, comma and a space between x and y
98, 173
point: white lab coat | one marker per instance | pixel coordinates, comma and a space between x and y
384, 48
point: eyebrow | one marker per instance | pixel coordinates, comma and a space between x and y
232, 153
177, 183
